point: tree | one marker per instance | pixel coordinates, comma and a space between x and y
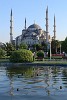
2, 53
9, 48
40, 54
23, 46
38, 47
44, 46
55, 44
34, 47
64, 45
3, 46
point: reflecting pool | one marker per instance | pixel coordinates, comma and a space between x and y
24, 80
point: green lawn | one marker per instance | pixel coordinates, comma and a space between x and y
52, 62
46, 61
4, 60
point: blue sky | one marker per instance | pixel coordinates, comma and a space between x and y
33, 10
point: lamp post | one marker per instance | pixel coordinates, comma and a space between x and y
60, 48
50, 46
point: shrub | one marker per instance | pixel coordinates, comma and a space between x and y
40, 54
21, 56
2, 53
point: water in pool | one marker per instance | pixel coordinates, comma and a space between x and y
42, 81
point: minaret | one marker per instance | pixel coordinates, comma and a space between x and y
11, 27
54, 29
47, 40
25, 23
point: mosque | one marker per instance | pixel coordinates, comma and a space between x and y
33, 34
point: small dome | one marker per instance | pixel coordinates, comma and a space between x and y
34, 26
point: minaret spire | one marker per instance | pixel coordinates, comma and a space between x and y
54, 28
25, 23
11, 27
11, 12
47, 40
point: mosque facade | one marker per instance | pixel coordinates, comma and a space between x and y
32, 35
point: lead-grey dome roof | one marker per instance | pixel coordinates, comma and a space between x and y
34, 26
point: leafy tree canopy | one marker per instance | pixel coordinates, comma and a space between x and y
23, 46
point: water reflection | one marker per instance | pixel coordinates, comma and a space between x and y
34, 80
64, 78
19, 72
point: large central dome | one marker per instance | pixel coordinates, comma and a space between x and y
34, 26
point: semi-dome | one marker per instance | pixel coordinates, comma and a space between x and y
34, 26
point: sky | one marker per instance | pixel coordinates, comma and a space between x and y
34, 11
